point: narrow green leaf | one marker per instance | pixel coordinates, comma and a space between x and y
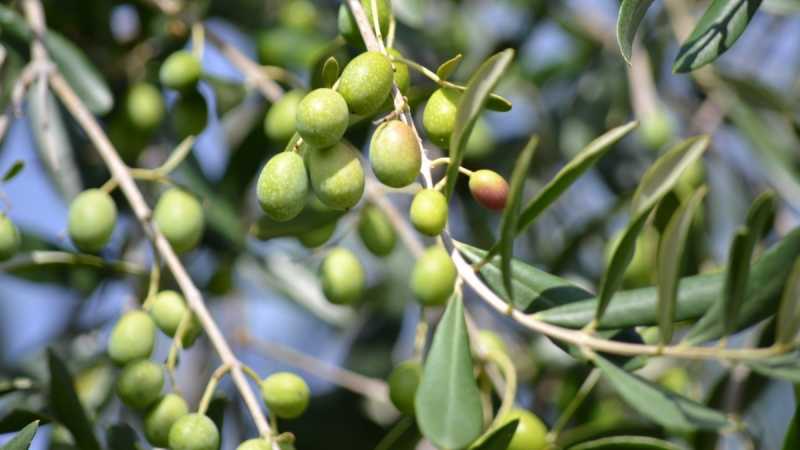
571, 172
448, 403
498, 103
788, 319
626, 443
480, 85
498, 439
18, 418
448, 67
80, 73
122, 437
330, 72
631, 13
334, 48
659, 404
14, 170
785, 366
66, 405
22, 440
308, 219
721, 25
792, 439
510, 217
670, 257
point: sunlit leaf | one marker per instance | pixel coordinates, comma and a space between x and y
22, 440
631, 13
17, 418
448, 67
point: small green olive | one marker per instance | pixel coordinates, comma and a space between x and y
394, 154
92, 216
439, 117
336, 175
189, 114
283, 186
322, 117
343, 278
179, 216
489, 189
300, 14
318, 236
403, 383
167, 311
491, 342
286, 394
429, 212
255, 444
194, 432
279, 123
9, 238
161, 416
180, 71
132, 338
139, 384
531, 433
366, 81
376, 231
347, 23
144, 106
656, 129
433, 278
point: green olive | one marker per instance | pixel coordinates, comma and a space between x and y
322, 117
336, 175
318, 236
300, 14
366, 82
255, 444
286, 394
489, 189
189, 114
9, 238
531, 433
433, 278
283, 186
179, 216
92, 216
132, 338
439, 117
656, 129
167, 311
376, 231
180, 71
279, 123
343, 278
403, 383
347, 23
395, 154
144, 106
161, 416
491, 342
429, 212
194, 432
139, 384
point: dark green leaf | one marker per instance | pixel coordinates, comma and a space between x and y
788, 319
631, 13
122, 437
14, 170
22, 440
216, 410
499, 438
448, 67
498, 103
659, 404
670, 257
626, 443
786, 366
80, 73
330, 72
792, 439
508, 225
18, 418
480, 85
448, 403
66, 405
334, 48
721, 25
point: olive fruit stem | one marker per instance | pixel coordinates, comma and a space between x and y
211, 387
153, 283
583, 392
176, 346
445, 160
251, 373
376, 26
510, 375
159, 173
418, 67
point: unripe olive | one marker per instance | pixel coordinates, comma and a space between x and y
161, 416
317, 236
347, 23
194, 432
677, 380
180, 71
283, 186
394, 154
531, 433
376, 231
9, 238
439, 117
144, 106
132, 338
403, 383
429, 212
480, 142
491, 342
656, 129
336, 175
286, 394
92, 216
489, 189
366, 81
343, 278
167, 311
279, 123
255, 444
139, 384
179, 216
189, 114
300, 14
322, 117
433, 278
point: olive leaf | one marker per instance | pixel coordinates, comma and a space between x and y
792, 439
788, 318
14, 170
631, 13
448, 67
17, 418
330, 72
22, 440
626, 443
122, 437
499, 438
66, 405
785, 366
721, 25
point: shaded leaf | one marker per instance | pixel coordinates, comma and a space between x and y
308, 219
498, 103
448, 404
122, 437
80, 73
330, 72
14, 170
626, 443
18, 418
788, 319
448, 67
498, 439
66, 405
631, 13
792, 439
22, 440
786, 366
216, 409
721, 25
